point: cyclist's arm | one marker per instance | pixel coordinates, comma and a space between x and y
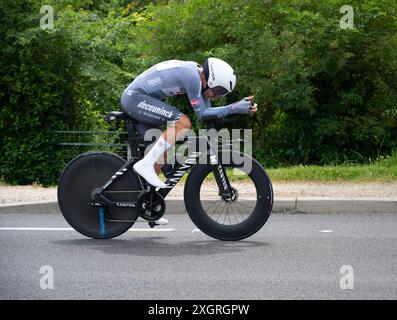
204, 111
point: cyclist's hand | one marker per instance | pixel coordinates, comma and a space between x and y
254, 106
244, 106
241, 107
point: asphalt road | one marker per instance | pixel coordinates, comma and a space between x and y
291, 257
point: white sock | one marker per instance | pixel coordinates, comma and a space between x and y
156, 151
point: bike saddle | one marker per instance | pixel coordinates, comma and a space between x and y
116, 115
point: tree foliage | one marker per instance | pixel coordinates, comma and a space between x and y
326, 95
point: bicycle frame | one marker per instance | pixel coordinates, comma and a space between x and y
99, 199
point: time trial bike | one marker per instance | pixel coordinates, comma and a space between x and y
101, 196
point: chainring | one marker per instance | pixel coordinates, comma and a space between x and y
150, 210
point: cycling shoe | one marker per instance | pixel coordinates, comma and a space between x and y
161, 222
147, 172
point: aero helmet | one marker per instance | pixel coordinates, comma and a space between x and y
219, 75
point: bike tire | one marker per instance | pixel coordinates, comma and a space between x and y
82, 175
258, 217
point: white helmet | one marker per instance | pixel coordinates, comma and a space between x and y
219, 75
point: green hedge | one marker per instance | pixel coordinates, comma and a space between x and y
52, 80
325, 95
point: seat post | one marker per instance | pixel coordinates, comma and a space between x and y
132, 138
131, 130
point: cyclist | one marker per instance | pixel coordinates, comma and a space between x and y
143, 100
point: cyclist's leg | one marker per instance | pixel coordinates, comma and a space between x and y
142, 128
155, 112
140, 107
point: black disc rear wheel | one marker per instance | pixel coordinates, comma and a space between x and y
82, 175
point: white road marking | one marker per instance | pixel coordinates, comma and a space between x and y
325, 231
154, 230
71, 229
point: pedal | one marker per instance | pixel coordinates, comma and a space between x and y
152, 224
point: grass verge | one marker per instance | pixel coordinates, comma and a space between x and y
380, 170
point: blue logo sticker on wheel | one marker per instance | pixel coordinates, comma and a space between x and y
102, 221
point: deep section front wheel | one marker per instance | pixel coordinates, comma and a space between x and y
229, 218
80, 177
